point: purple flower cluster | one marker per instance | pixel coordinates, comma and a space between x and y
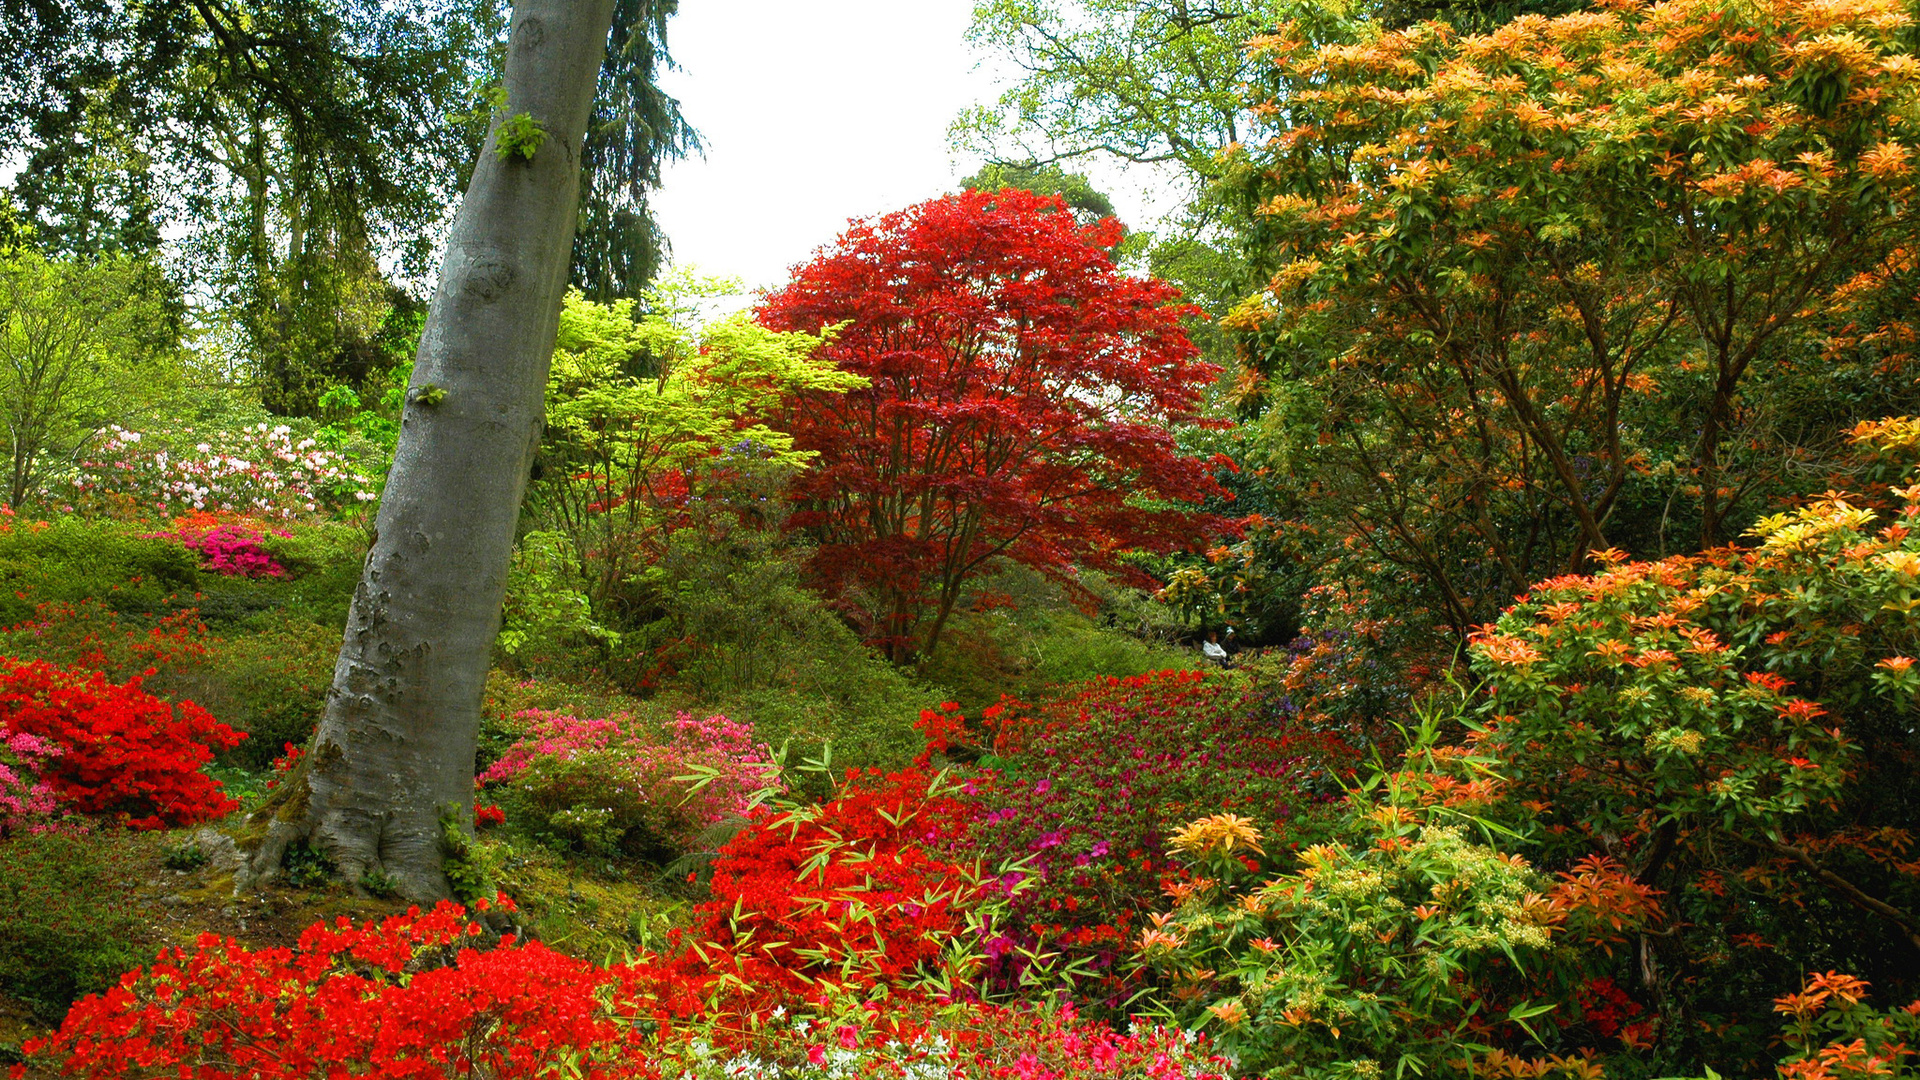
1083, 811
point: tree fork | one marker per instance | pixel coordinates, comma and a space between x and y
394, 753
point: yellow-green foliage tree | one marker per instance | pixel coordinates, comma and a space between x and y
81, 344
639, 410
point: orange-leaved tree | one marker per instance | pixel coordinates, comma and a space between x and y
1737, 729
1566, 285
1021, 400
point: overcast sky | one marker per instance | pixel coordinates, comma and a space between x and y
814, 113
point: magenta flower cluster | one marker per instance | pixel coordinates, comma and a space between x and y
550, 735
235, 551
1081, 813
27, 802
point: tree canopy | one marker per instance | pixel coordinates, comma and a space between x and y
1562, 286
1021, 391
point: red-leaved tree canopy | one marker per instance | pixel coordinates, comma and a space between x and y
1023, 394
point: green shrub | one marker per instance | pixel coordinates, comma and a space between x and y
68, 926
1029, 651
117, 565
848, 699
269, 681
737, 633
546, 614
323, 561
1070, 649
1409, 946
71, 559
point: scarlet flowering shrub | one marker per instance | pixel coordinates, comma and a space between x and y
1079, 795
91, 635
290, 756
860, 890
123, 753
603, 785
1056, 1044
403, 998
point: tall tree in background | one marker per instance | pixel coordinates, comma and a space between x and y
1153, 83
82, 344
86, 178
298, 142
1088, 203
392, 765
311, 149
636, 128
1020, 395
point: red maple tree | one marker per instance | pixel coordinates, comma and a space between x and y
1022, 399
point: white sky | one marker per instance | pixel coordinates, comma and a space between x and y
815, 113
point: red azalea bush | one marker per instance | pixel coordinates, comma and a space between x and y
93, 636
404, 998
1082, 793
400, 999
123, 752
859, 890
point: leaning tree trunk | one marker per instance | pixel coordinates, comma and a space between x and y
394, 754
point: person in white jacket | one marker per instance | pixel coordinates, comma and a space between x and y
1213, 650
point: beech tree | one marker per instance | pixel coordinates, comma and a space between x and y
1021, 399
391, 769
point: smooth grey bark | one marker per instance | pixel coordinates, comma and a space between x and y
394, 753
